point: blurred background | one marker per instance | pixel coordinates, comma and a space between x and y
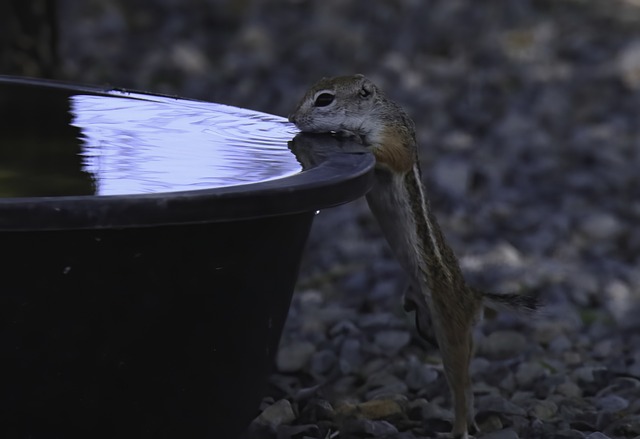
526, 113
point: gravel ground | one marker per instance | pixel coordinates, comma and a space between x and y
527, 115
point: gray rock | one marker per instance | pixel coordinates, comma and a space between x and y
294, 357
490, 423
316, 410
333, 313
628, 426
501, 434
597, 435
344, 327
380, 320
374, 366
508, 383
569, 389
375, 409
309, 300
296, 431
479, 365
547, 331
522, 398
433, 411
527, 373
544, 410
415, 408
560, 344
604, 420
603, 349
419, 374
382, 384
392, 341
280, 412
497, 404
344, 386
586, 373
579, 412
323, 361
568, 434
628, 64
620, 385
601, 226
452, 176
367, 427
611, 403
503, 344
350, 359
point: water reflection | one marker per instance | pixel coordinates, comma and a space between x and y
136, 143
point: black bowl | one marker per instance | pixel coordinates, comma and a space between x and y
143, 315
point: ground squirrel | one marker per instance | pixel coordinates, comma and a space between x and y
446, 307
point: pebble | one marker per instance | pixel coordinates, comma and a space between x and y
375, 409
297, 431
569, 389
611, 403
280, 412
560, 344
627, 426
392, 341
316, 410
489, 423
629, 64
380, 321
453, 176
544, 410
569, 434
601, 226
502, 434
295, 356
498, 404
323, 361
433, 410
527, 373
350, 358
394, 386
502, 344
547, 331
419, 375
586, 373
344, 327
368, 428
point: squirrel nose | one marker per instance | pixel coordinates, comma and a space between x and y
292, 118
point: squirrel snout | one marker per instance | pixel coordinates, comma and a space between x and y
292, 118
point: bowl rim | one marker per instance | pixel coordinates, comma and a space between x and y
339, 178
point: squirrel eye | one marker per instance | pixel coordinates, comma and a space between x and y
364, 92
324, 99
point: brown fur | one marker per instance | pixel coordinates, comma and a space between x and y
393, 153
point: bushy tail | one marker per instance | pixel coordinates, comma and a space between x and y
528, 302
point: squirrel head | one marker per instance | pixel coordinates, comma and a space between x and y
339, 104
354, 105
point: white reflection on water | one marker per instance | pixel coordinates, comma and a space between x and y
136, 143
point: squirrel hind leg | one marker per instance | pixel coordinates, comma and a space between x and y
456, 348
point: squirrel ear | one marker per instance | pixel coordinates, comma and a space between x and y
367, 88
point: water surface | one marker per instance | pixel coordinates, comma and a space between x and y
61, 142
